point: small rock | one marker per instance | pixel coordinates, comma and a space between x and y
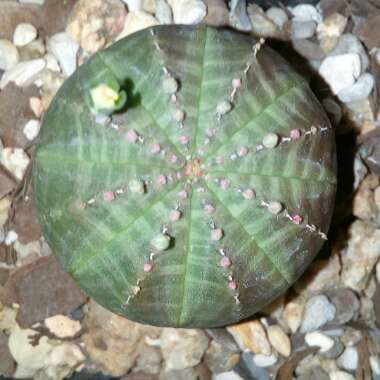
7, 364
227, 376
351, 337
340, 375
43, 289
62, 326
315, 373
306, 12
5, 204
318, 311
360, 255
340, 71
133, 5
15, 160
251, 336
164, 12
359, 90
277, 15
279, 340
10, 238
335, 351
368, 31
23, 73
188, 11
348, 43
136, 21
47, 359
220, 358
149, 360
346, 304
332, 26
113, 342
24, 34
349, 359
265, 360
374, 362
34, 50
303, 29
293, 313
7, 185
9, 55
36, 106
217, 13
182, 348
308, 49
65, 49
96, 23
31, 129
318, 339
239, 16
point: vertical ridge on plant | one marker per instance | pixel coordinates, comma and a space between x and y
202, 197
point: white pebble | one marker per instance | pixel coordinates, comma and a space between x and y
349, 359
277, 15
279, 340
65, 49
303, 29
52, 63
231, 375
23, 73
264, 360
31, 129
133, 5
318, 339
15, 160
375, 364
164, 12
359, 90
318, 311
340, 375
223, 107
170, 85
332, 26
275, 207
11, 237
9, 55
340, 71
188, 11
24, 34
306, 12
271, 140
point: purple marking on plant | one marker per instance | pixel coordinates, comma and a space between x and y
225, 262
132, 136
162, 179
201, 190
211, 132
219, 160
148, 267
183, 194
249, 194
217, 234
236, 83
295, 134
225, 184
297, 219
108, 196
184, 140
243, 151
208, 209
155, 148
232, 285
175, 215
173, 158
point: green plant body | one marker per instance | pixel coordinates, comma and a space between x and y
185, 176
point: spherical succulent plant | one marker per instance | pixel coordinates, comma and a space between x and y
185, 176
